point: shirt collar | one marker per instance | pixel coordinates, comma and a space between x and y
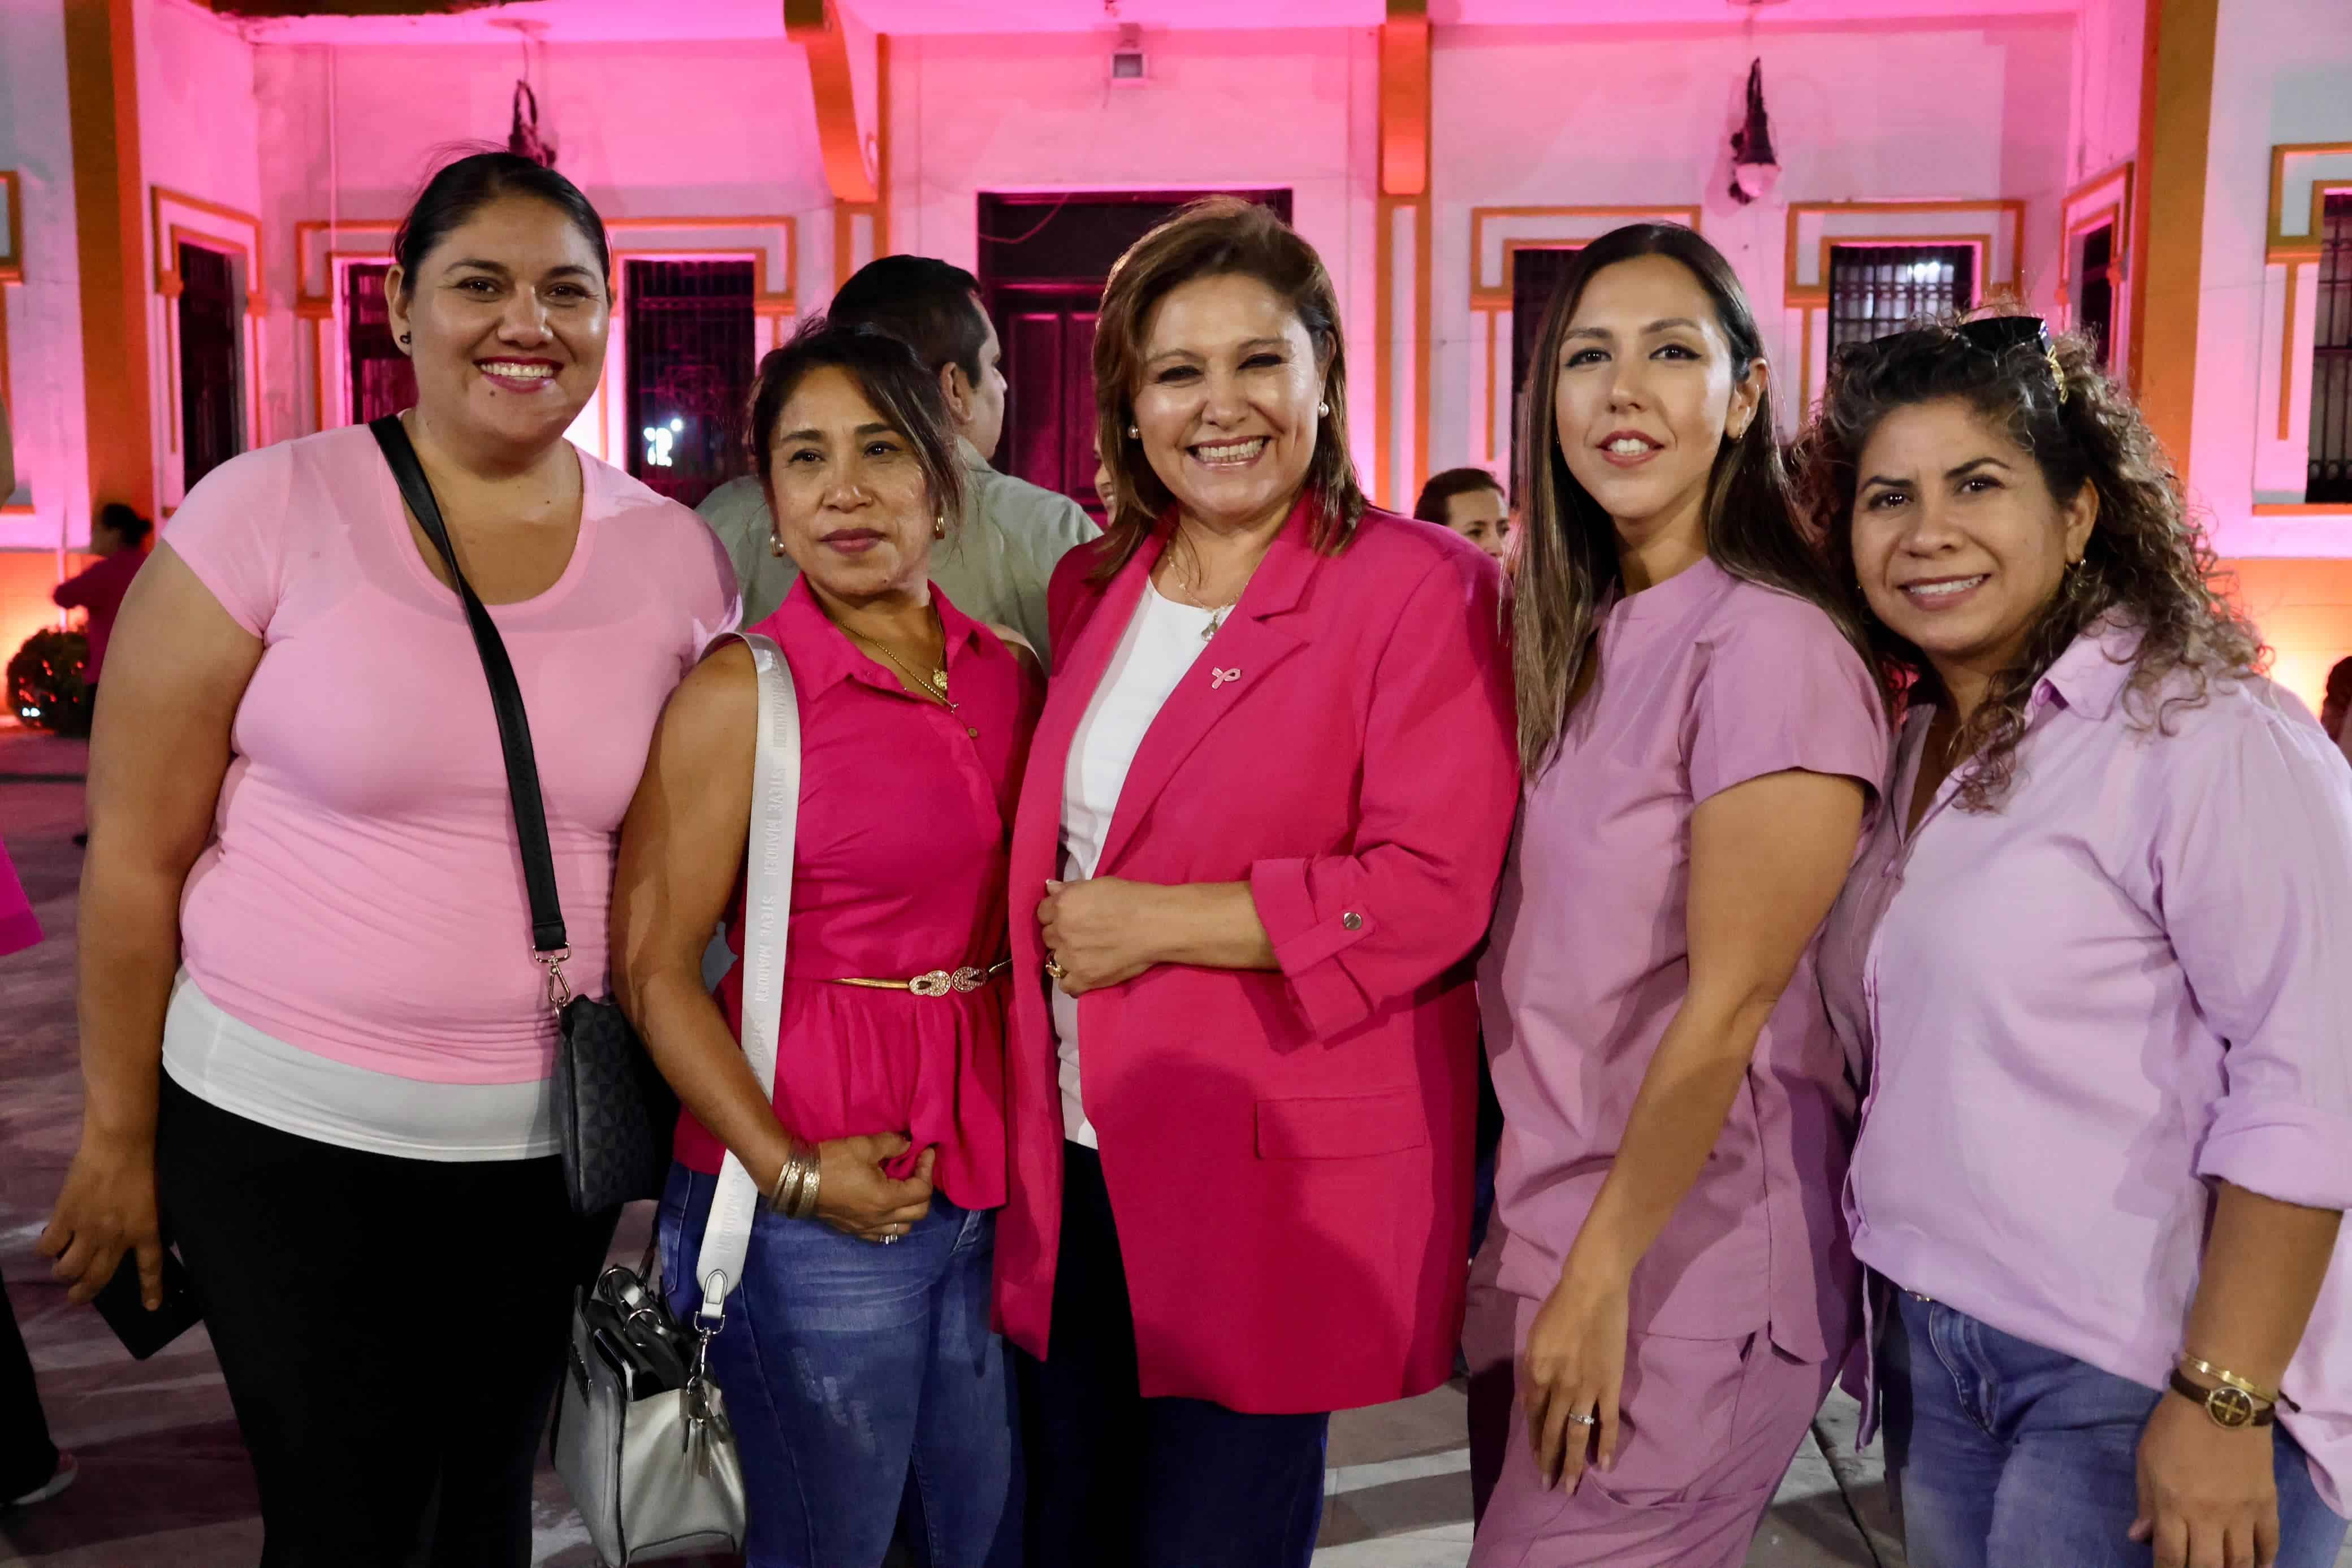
2090, 676
823, 655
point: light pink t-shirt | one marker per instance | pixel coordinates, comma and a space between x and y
1706, 682
363, 895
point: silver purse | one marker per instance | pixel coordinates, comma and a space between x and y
641, 1436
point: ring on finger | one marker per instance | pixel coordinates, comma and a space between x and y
1584, 1420
1054, 967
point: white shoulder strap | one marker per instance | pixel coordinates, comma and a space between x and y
767, 906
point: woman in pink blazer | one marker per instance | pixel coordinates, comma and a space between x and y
1259, 840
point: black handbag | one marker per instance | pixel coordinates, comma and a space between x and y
615, 1114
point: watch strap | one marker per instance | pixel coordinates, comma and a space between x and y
2225, 1405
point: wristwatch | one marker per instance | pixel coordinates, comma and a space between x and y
2228, 1406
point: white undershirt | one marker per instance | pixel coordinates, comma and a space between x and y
228, 1064
1159, 647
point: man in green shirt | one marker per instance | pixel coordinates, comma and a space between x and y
997, 566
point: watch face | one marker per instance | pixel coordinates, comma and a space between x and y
2229, 1407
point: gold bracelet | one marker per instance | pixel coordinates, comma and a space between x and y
804, 1196
2231, 1380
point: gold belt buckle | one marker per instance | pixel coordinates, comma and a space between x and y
937, 983
969, 979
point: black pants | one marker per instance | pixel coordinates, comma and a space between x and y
27, 1457
1116, 1480
389, 1329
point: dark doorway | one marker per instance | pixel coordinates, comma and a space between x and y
2095, 288
1042, 260
690, 332
2330, 475
1536, 278
212, 364
383, 380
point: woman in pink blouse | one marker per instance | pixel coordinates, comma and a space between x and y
2092, 963
857, 1364
312, 1024
1702, 742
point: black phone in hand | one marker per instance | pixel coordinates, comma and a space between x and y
143, 1332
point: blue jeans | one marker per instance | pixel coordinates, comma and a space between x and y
2005, 1455
859, 1378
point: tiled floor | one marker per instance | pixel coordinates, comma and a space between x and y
165, 1482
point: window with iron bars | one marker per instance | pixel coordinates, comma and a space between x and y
690, 368
2330, 474
1875, 289
383, 379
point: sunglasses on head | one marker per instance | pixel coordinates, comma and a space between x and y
1994, 335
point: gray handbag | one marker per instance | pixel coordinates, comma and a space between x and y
641, 1436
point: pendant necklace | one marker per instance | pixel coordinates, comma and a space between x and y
934, 685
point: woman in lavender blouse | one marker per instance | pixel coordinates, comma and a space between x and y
2092, 963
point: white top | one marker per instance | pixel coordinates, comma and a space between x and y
1157, 650
228, 1064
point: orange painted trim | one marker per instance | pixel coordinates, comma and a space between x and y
2117, 211
1423, 223
816, 27
1498, 297
167, 238
1492, 328
1405, 105
2302, 508
2012, 208
2176, 123
1383, 343
1805, 365
2306, 246
2288, 346
12, 261
110, 215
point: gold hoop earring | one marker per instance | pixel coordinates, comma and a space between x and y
940, 526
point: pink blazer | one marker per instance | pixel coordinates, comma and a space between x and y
1288, 1154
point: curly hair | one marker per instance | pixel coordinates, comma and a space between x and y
2146, 565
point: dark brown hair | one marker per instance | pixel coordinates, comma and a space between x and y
1438, 495
458, 190
930, 304
892, 378
1218, 237
1568, 544
2146, 564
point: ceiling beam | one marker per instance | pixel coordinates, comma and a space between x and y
1404, 99
815, 25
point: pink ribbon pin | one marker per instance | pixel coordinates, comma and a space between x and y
1217, 679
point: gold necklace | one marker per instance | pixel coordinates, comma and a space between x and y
935, 686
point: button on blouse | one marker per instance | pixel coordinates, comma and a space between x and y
898, 869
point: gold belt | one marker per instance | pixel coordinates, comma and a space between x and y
938, 982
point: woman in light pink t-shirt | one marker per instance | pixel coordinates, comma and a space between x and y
312, 1023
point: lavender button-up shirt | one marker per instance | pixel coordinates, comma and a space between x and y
2078, 1011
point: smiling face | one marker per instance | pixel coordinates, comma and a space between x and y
1226, 402
1956, 538
1483, 517
507, 320
852, 506
1644, 392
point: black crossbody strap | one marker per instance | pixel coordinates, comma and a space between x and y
547, 938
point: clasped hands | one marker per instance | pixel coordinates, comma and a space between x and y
1098, 932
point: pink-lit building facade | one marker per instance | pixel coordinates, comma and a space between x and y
196, 199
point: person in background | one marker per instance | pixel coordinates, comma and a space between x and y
1013, 532
118, 538
1471, 502
32, 1468
2335, 708
1703, 741
2091, 964
313, 1027
1257, 842
1106, 487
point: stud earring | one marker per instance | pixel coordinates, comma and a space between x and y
1133, 434
775, 544
940, 526
404, 340
1323, 409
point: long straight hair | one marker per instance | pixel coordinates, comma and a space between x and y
1568, 544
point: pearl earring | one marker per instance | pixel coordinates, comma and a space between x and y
1133, 434
775, 544
1323, 409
